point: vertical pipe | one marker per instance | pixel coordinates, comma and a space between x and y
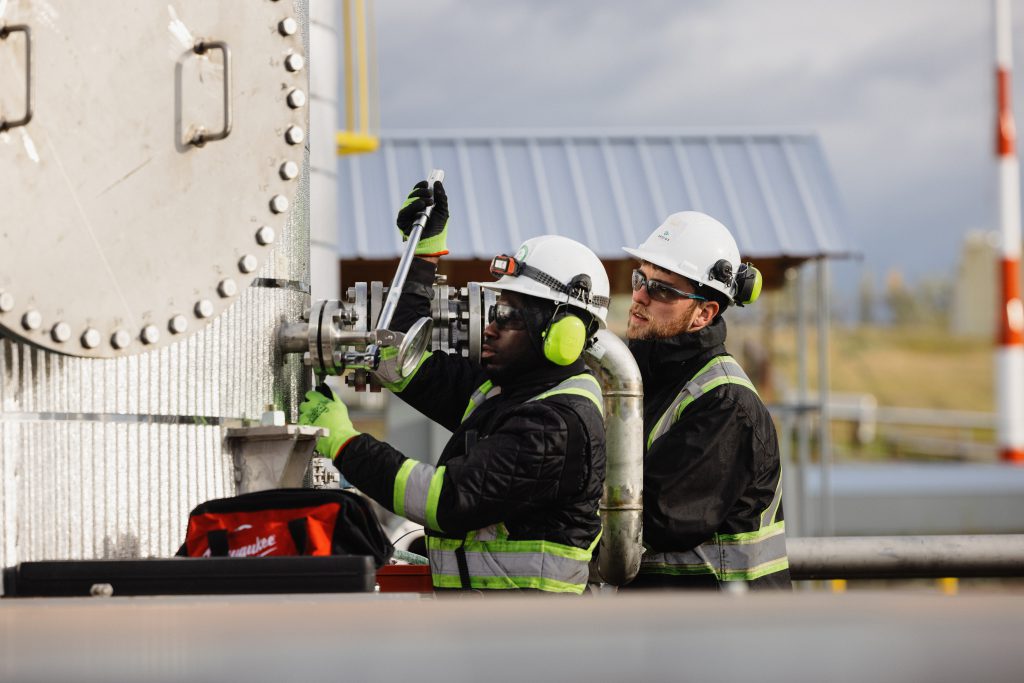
371, 49
1010, 355
803, 416
347, 50
824, 419
622, 499
364, 69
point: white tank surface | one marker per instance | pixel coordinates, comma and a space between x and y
155, 184
159, 165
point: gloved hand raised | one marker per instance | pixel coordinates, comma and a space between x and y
434, 238
320, 411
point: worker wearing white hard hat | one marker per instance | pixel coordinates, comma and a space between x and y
512, 503
713, 514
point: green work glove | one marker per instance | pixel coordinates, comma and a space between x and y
434, 238
320, 411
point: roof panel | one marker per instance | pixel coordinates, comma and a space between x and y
606, 189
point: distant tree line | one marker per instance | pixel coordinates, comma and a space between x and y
925, 302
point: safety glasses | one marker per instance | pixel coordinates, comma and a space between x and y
659, 291
506, 317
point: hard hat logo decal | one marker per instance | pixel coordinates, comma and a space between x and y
665, 235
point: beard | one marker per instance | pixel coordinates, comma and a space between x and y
650, 328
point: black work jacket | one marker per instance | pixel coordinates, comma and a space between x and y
537, 467
718, 467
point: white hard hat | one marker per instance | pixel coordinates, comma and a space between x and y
696, 246
557, 269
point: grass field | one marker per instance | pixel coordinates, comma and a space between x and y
905, 367
912, 367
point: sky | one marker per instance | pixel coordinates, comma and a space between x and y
901, 92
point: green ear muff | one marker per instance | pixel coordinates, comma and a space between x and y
564, 340
748, 285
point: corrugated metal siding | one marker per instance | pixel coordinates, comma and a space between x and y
105, 458
608, 190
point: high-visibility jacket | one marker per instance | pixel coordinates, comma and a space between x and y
712, 474
512, 502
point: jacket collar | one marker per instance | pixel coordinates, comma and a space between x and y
541, 378
663, 361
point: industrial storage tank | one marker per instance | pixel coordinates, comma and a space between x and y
154, 177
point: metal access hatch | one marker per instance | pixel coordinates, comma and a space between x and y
149, 156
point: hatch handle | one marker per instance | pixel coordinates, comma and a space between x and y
202, 136
4, 32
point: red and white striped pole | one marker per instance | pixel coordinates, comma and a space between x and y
1010, 356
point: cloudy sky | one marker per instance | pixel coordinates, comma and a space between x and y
900, 91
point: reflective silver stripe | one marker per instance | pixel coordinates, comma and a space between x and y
493, 532
582, 383
511, 566
768, 516
387, 370
481, 394
417, 488
735, 556
721, 370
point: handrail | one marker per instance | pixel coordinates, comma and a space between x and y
906, 557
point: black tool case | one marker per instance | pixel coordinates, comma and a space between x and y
192, 576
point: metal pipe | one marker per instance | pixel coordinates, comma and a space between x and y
824, 422
906, 557
293, 337
622, 499
803, 417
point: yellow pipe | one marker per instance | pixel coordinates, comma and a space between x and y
364, 77
349, 142
346, 48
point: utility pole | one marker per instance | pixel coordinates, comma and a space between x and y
1010, 356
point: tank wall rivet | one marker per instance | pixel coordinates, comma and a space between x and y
204, 308
32, 320
288, 26
265, 235
289, 170
227, 287
61, 332
177, 324
296, 99
120, 339
91, 338
279, 203
248, 263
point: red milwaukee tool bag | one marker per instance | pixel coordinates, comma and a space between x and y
286, 522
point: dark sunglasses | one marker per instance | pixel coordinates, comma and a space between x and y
505, 317
659, 291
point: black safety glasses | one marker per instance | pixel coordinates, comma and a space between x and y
659, 291
506, 317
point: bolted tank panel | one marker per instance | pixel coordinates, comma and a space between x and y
104, 456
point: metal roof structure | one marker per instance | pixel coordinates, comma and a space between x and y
607, 189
